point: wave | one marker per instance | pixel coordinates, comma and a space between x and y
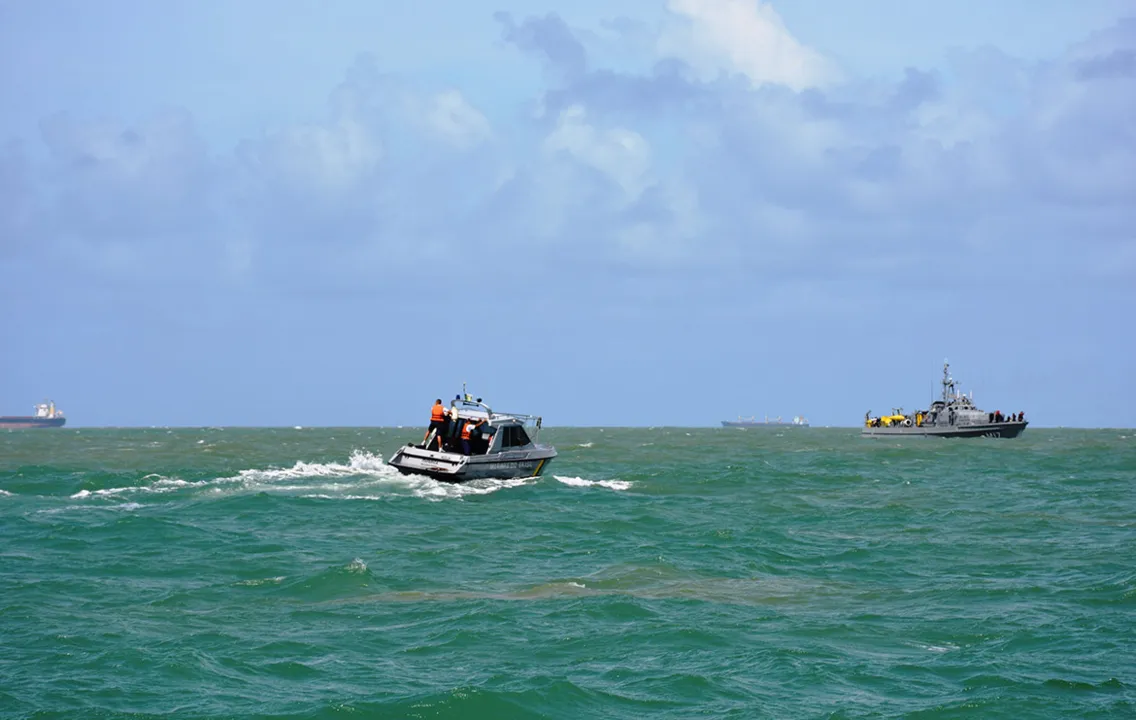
581, 482
275, 580
365, 476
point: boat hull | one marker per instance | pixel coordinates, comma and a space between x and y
457, 468
10, 422
995, 430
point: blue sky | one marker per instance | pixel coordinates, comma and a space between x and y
617, 213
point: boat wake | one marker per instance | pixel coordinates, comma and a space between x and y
363, 477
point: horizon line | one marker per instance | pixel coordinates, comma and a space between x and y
415, 426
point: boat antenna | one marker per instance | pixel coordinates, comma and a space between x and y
947, 381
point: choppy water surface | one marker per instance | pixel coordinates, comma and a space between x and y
651, 573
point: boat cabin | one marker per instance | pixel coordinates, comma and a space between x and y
489, 431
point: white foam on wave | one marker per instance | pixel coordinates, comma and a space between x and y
363, 477
160, 484
430, 489
586, 445
360, 463
5, 493
948, 647
357, 566
581, 482
262, 581
87, 508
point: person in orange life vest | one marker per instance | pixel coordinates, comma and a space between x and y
438, 421
467, 433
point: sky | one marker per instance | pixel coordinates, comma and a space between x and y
605, 213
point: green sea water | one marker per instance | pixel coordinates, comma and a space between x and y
663, 573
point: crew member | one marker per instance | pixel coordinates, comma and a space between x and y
438, 421
467, 432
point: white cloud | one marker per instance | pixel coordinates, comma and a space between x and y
323, 158
652, 167
154, 156
115, 180
745, 36
670, 238
458, 122
621, 154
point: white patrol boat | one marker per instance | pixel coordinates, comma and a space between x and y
496, 445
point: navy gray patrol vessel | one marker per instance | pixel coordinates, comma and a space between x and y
953, 415
500, 445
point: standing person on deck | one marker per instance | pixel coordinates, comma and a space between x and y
438, 421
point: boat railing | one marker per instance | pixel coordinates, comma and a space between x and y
494, 416
460, 403
528, 421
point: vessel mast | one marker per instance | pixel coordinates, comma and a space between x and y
948, 381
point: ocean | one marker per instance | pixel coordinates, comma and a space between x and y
651, 572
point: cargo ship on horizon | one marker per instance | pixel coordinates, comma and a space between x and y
46, 416
752, 421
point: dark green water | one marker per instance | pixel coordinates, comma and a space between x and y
280, 573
